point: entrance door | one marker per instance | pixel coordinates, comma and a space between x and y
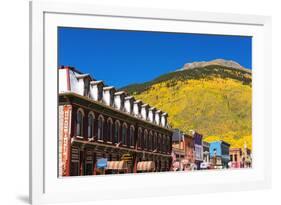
88, 170
88, 162
75, 165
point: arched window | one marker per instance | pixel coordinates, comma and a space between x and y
164, 143
150, 140
109, 130
132, 136
155, 141
91, 125
124, 134
79, 122
159, 142
139, 140
116, 131
100, 127
168, 144
145, 136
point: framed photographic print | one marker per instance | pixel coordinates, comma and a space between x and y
129, 102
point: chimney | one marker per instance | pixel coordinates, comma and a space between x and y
119, 100
137, 108
129, 102
108, 95
151, 114
96, 90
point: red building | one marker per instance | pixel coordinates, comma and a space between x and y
102, 131
183, 151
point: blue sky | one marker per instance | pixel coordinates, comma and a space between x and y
121, 57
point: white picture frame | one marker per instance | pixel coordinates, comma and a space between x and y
46, 187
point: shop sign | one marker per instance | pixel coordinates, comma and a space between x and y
65, 137
102, 163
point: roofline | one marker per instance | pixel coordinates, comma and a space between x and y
120, 93
129, 97
221, 141
71, 68
109, 88
96, 82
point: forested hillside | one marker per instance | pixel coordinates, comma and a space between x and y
214, 100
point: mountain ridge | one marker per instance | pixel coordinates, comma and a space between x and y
219, 62
194, 73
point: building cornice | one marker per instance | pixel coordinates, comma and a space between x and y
75, 95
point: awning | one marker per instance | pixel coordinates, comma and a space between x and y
146, 166
116, 165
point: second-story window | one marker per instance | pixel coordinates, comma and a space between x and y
168, 144
116, 132
145, 136
164, 143
132, 136
110, 130
124, 134
79, 123
155, 141
159, 142
91, 125
100, 127
139, 140
150, 142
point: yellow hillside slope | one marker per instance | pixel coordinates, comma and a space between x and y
219, 108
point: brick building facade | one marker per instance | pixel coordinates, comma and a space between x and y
98, 123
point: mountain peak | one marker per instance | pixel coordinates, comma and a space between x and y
220, 62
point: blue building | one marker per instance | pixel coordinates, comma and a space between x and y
219, 153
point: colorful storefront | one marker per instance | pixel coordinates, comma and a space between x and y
198, 148
219, 153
